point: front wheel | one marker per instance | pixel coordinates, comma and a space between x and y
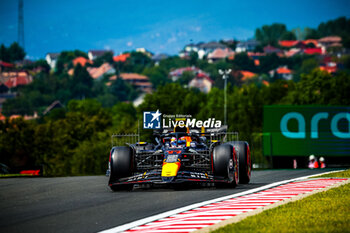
245, 162
225, 165
121, 165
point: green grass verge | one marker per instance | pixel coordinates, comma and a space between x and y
13, 175
345, 173
326, 211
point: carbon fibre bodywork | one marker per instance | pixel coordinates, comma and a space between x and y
167, 163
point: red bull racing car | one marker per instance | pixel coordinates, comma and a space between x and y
179, 157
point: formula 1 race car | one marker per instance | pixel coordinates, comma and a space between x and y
179, 157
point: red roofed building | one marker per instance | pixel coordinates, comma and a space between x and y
283, 70
271, 49
139, 81
15, 78
2, 117
311, 51
329, 69
287, 43
203, 82
329, 66
282, 73
266, 83
292, 43
246, 75
15, 116
292, 52
121, 57
81, 60
311, 41
176, 74
5, 64
98, 72
219, 54
330, 41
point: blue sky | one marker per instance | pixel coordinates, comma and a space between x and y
161, 26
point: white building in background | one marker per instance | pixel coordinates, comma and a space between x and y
202, 82
202, 49
51, 59
247, 46
93, 54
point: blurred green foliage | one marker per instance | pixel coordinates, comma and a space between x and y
271, 34
76, 140
12, 53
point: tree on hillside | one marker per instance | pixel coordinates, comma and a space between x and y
123, 117
65, 59
122, 90
173, 62
157, 75
339, 27
81, 83
12, 53
311, 33
185, 78
288, 36
136, 63
319, 87
193, 58
4, 53
269, 62
244, 62
16, 138
270, 34
39, 63
169, 99
106, 57
306, 67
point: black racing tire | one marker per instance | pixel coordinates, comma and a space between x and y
225, 165
244, 161
121, 165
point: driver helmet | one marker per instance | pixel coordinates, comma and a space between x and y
321, 159
181, 141
312, 157
173, 141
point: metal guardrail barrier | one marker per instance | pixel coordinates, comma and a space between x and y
124, 139
224, 136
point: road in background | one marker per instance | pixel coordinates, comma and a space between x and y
86, 204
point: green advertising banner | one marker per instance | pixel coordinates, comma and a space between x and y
290, 130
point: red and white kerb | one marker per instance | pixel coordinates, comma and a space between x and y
214, 213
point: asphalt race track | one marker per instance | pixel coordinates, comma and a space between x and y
86, 204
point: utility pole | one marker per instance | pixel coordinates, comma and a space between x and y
20, 24
225, 74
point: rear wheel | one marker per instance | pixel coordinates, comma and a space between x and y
244, 160
225, 165
121, 165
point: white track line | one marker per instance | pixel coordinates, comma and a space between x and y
193, 206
